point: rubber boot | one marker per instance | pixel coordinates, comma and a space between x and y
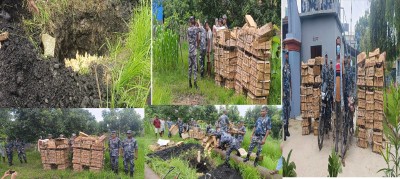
190, 83
131, 174
195, 85
247, 158
256, 162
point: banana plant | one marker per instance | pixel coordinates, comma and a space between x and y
334, 164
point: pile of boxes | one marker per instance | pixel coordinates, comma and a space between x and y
370, 82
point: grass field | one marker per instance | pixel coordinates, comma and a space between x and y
271, 152
34, 168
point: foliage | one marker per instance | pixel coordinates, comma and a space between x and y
275, 91
275, 114
334, 164
165, 49
132, 62
392, 132
289, 167
31, 124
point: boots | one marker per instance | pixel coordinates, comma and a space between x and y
131, 174
247, 158
190, 83
195, 85
126, 172
116, 171
287, 131
256, 162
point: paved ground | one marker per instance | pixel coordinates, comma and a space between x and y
149, 173
311, 162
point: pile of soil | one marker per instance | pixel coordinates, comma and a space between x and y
28, 80
223, 172
171, 152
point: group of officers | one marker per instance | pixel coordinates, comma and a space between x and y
340, 85
8, 149
231, 140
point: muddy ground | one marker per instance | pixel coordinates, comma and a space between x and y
29, 80
204, 166
311, 162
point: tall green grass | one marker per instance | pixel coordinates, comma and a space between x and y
165, 49
131, 75
274, 97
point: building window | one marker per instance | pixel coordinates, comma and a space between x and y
316, 51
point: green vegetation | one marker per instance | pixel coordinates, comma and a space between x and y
334, 165
271, 149
391, 130
289, 167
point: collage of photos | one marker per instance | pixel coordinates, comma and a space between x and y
191, 89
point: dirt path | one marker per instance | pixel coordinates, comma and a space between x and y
189, 99
149, 173
311, 162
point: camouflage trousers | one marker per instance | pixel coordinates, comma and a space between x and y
224, 128
255, 142
239, 140
193, 67
202, 61
22, 156
286, 111
10, 158
114, 162
129, 163
232, 147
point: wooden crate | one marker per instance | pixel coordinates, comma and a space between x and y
360, 121
369, 96
256, 100
370, 71
316, 92
303, 98
369, 125
369, 115
361, 112
362, 133
370, 106
378, 125
306, 122
376, 147
360, 81
378, 95
303, 90
362, 143
361, 94
378, 81
378, 105
377, 137
361, 103
361, 71
378, 116
317, 70
369, 81
379, 72
305, 130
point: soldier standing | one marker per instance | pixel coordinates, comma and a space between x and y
114, 144
130, 147
224, 121
287, 95
9, 151
193, 40
241, 133
227, 139
203, 48
180, 127
259, 135
20, 145
169, 124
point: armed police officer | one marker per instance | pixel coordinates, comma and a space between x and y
114, 144
20, 145
130, 148
287, 95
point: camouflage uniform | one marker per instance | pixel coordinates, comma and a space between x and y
239, 137
20, 145
286, 97
227, 139
129, 146
192, 38
114, 145
348, 90
169, 124
180, 127
9, 151
203, 46
262, 126
224, 122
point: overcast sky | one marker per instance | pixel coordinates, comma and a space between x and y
359, 8
97, 112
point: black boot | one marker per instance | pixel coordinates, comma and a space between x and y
287, 131
247, 158
126, 172
256, 162
26, 161
21, 161
116, 171
131, 174
190, 83
195, 85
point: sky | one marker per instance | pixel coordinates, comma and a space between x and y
97, 112
359, 8
243, 108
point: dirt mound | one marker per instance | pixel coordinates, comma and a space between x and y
171, 152
223, 172
28, 81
